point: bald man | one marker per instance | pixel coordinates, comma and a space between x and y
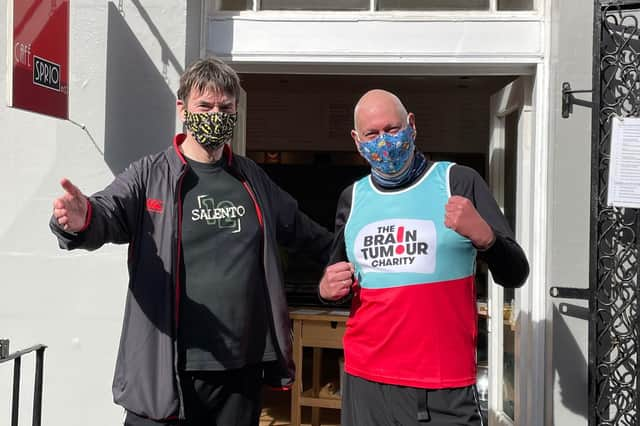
405, 248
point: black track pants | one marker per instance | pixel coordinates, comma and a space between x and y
216, 398
376, 404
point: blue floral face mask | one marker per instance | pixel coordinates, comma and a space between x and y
389, 153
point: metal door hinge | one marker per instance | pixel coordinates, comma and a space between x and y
570, 293
568, 100
4, 348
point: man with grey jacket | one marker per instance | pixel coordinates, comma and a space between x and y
206, 320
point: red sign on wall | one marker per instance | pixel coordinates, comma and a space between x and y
41, 56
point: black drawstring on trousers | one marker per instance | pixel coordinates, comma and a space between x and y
476, 398
423, 408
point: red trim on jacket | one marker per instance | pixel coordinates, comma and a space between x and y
87, 218
228, 152
178, 249
255, 202
177, 141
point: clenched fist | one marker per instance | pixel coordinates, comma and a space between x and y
462, 217
337, 281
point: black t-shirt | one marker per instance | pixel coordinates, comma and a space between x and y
223, 321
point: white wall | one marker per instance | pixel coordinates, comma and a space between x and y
329, 37
124, 68
569, 183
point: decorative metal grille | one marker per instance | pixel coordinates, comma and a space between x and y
614, 331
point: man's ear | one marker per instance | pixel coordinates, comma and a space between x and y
180, 108
354, 136
412, 122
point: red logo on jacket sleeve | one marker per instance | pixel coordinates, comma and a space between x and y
154, 205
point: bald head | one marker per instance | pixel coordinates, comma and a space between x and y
377, 112
377, 104
380, 117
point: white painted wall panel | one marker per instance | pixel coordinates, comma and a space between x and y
570, 59
243, 38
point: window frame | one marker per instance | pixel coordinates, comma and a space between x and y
256, 6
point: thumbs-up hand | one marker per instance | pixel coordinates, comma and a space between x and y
70, 210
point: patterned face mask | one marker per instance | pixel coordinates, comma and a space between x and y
389, 153
211, 129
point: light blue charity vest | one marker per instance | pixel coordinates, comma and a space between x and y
399, 238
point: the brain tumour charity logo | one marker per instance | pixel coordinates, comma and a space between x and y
392, 245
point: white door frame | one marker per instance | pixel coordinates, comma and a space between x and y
530, 215
509, 100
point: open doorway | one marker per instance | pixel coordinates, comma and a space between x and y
298, 129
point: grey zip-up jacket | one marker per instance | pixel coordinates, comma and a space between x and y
142, 207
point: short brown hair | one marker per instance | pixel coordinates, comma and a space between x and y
209, 73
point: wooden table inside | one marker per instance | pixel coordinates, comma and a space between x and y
317, 328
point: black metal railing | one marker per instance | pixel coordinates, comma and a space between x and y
614, 338
16, 357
